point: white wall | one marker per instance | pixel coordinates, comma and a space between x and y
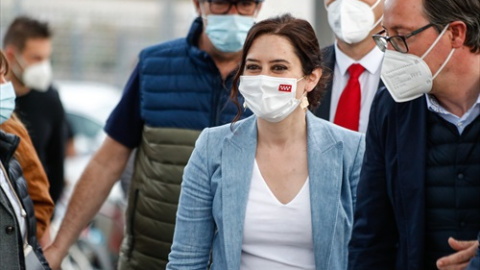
298, 8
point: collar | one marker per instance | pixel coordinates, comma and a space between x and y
195, 31
434, 106
372, 61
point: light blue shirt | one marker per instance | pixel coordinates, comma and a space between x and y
459, 122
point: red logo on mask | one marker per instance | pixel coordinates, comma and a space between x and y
285, 88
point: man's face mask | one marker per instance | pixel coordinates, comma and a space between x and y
228, 32
37, 76
352, 20
407, 76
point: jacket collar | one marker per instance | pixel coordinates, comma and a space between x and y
325, 174
8, 145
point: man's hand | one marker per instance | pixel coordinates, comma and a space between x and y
459, 260
53, 256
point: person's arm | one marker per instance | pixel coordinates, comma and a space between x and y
90, 192
195, 226
375, 236
124, 129
459, 260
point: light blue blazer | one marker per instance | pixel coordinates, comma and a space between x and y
216, 183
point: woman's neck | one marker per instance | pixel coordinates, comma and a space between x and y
292, 129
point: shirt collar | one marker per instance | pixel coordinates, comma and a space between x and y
434, 106
372, 61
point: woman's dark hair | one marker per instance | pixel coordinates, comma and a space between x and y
4, 67
302, 37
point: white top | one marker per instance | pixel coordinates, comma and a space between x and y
15, 202
369, 80
459, 122
276, 236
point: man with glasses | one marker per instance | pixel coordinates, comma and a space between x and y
177, 89
354, 60
418, 199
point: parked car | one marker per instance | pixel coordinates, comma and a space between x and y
87, 106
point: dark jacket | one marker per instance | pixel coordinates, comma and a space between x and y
11, 243
389, 228
181, 93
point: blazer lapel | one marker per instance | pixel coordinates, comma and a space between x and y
411, 150
238, 156
325, 174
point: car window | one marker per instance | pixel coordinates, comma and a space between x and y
82, 125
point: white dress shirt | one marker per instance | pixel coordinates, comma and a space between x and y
368, 81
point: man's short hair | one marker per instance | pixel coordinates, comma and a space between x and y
24, 28
443, 12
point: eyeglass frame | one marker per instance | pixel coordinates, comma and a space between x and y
379, 37
236, 7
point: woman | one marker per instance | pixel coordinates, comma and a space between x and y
276, 190
19, 247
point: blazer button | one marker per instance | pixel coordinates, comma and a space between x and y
9, 229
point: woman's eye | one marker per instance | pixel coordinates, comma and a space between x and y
252, 67
279, 68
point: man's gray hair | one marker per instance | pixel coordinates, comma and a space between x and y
443, 12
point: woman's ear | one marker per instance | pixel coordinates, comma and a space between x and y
313, 79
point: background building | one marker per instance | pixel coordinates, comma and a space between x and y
99, 40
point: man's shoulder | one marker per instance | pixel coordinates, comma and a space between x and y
171, 47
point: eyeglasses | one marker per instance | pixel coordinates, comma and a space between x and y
244, 7
399, 43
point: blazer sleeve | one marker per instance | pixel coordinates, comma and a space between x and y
374, 237
195, 225
37, 182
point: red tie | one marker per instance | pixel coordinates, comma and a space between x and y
348, 109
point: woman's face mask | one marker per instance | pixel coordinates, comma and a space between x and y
270, 98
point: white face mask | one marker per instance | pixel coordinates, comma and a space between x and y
407, 76
270, 98
37, 76
352, 20
7, 101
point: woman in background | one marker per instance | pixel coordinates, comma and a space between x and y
19, 248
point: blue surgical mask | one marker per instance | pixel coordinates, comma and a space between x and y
7, 101
228, 32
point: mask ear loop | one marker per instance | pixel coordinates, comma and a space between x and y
435, 42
